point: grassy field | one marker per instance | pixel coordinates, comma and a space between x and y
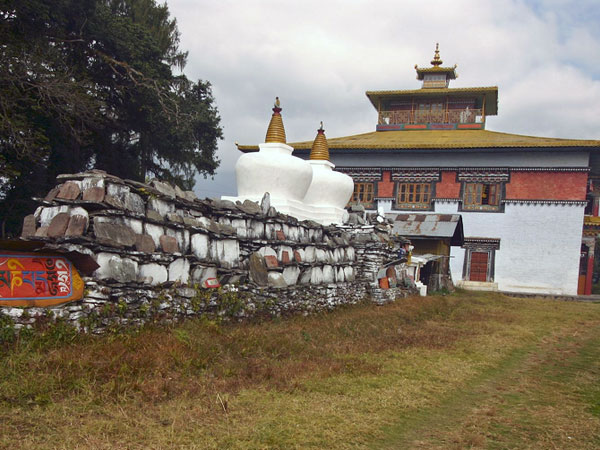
468, 370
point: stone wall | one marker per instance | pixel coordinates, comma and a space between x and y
157, 248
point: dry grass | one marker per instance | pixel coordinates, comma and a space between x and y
462, 371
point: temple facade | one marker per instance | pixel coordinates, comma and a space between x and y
522, 199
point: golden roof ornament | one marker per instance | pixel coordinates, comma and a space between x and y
276, 132
320, 149
436, 61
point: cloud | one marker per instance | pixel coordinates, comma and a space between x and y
321, 57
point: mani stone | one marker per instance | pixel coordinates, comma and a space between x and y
258, 269
280, 235
69, 191
28, 226
271, 261
168, 244
77, 225
94, 194
144, 243
58, 225
52, 194
285, 257
276, 280
114, 234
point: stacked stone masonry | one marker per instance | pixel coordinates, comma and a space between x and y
157, 246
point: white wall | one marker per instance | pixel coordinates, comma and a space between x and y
539, 245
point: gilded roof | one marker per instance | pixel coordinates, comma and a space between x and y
440, 139
490, 93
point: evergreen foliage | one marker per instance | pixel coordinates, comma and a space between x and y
93, 84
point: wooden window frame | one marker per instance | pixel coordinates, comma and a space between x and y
414, 195
365, 190
482, 196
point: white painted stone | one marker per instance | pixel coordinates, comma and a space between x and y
339, 276
240, 227
160, 206
228, 253
135, 224
204, 221
200, 246
179, 270
320, 255
338, 255
276, 280
291, 274
114, 267
92, 182
316, 275
267, 251
349, 253
155, 232
49, 213
349, 273
306, 276
130, 200
155, 273
328, 275
224, 221
310, 254
201, 274
258, 229
182, 237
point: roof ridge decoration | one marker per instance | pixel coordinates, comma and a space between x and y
320, 149
276, 131
436, 61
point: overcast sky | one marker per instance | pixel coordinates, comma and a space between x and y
320, 57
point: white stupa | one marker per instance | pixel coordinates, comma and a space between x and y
329, 191
273, 169
299, 188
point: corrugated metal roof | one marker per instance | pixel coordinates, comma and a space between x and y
429, 225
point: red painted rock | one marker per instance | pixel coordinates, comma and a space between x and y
297, 256
285, 257
168, 244
94, 194
58, 225
69, 191
211, 283
280, 235
271, 261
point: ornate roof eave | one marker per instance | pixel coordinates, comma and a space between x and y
450, 71
489, 92
438, 140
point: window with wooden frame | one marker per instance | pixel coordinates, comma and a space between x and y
481, 196
413, 195
363, 193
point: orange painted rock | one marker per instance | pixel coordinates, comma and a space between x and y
31, 279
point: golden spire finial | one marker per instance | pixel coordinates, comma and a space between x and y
320, 149
436, 61
276, 132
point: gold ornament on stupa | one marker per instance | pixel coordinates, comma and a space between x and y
276, 132
320, 149
437, 61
